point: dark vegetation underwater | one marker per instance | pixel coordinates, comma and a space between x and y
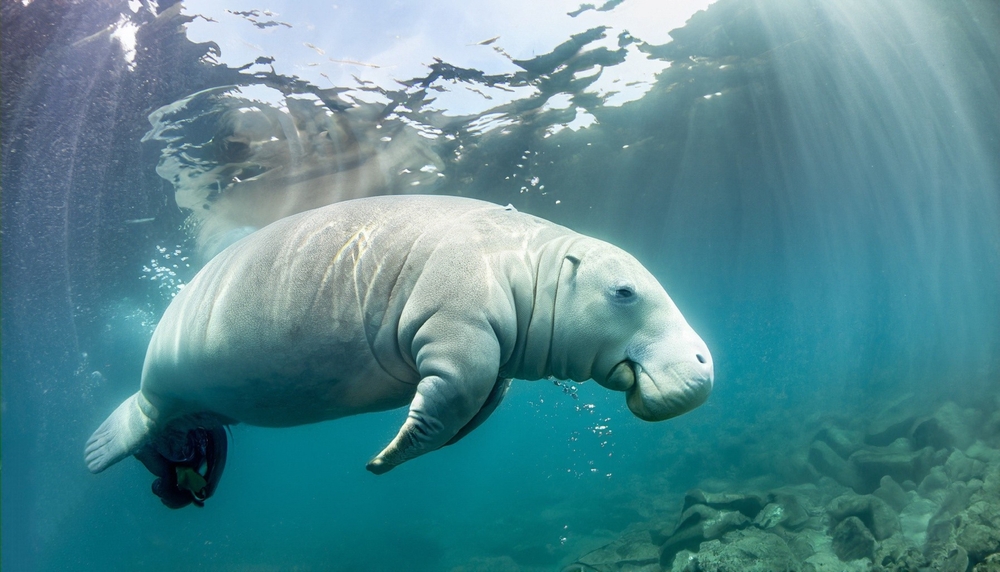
816, 183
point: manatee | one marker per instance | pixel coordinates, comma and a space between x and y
430, 302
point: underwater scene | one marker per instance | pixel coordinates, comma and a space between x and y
789, 359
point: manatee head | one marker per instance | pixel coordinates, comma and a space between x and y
614, 323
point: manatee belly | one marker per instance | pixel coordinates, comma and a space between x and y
273, 381
285, 402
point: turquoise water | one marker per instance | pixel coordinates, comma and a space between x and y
815, 183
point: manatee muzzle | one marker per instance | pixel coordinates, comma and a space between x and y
666, 393
622, 376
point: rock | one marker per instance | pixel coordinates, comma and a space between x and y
991, 429
801, 548
914, 518
978, 527
871, 464
982, 452
659, 535
881, 434
898, 554
828, 562
990, 564
815, 494
749, 504
750, 550
841, 441
769, 516
709, 516
828, 463
959, 467
852, 540
785, 510
934, 484
685, 561
991, 483
632, 552
893, 494
938, 536
795, 514
873, 512
931, 433
699, 523
721, 522
979, 530
949, 426
956, 498
954, 559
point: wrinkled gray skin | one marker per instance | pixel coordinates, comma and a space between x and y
431, 302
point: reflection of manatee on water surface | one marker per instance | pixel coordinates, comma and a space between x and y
374, 304
242, 158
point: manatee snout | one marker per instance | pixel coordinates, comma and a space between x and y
667, 378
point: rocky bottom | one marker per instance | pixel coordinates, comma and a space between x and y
904, 492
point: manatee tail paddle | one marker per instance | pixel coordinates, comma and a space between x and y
121, 434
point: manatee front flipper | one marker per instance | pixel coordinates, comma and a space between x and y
121, 434
455, 384
496, 396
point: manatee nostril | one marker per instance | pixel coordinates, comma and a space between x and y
701, 358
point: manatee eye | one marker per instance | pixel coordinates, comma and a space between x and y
622, 293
